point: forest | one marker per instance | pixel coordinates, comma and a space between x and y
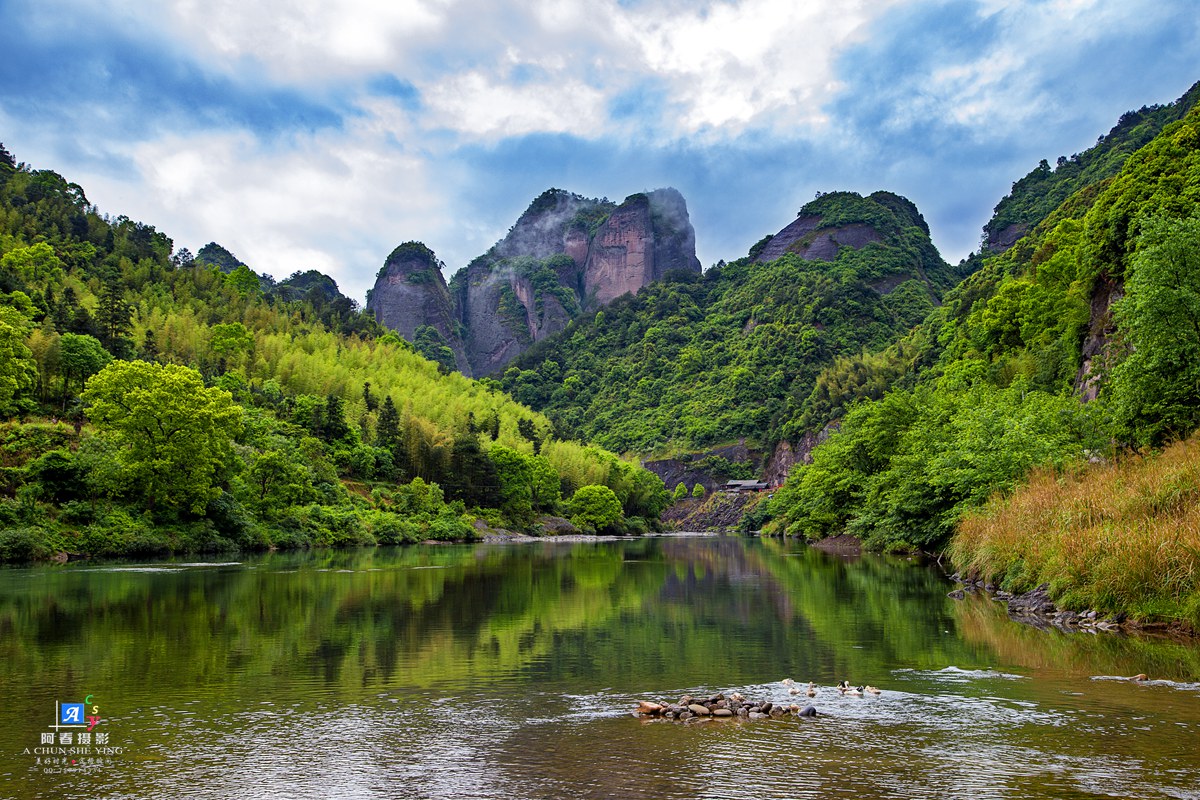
1072, 351
158, 402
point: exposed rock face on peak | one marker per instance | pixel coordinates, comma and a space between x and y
410, 292
806, 237
542, 229
838, 220
841, 219
646, 237
565, 253
1000, 240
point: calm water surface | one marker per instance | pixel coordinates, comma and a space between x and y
509, 671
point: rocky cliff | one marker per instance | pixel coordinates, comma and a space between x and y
565, 253
641, 241
410, 294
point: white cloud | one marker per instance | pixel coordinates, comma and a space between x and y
332, 202
479, 106
1002, 89
760, 60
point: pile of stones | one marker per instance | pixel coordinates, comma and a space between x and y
718, 706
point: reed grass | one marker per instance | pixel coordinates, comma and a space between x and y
1116, 537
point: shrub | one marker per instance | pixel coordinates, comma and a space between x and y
594, 507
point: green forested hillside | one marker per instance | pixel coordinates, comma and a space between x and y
156, 403
1045, 188
694, 361
990, 385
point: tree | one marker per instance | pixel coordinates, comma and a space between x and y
528, 431
429, 343
173, 435
230, 342
36, 264
681, 491
387, 427
335, 426
698, 490
594, 507
515, 476
150, 347
113, 313
79, 357
1156, 389
244, 282
545, 485
369, 399
18, 370
475, 478
277, 481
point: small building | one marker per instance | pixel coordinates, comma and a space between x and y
737, 487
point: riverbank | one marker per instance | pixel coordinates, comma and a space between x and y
1121, 538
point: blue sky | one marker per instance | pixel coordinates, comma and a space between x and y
309, 135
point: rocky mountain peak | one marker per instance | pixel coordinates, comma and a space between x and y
564, 253
410, 293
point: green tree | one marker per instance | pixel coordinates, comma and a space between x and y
35, 265
80, 357
113, 314
698, 490
1156, 388
681, 491
474, 475
230, 342
429, 343
545, 485
18, 369
335, 425
244, 282
173, 435
387, 427
515, 475
594, 507
277, 481
150, 347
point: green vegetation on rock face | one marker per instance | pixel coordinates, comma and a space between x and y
988, 386
693, 361
186, 407
1035, 196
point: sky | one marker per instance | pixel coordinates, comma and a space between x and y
305, 135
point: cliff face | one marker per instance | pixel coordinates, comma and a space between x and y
808, 238
410, 292
565, 253
646, 237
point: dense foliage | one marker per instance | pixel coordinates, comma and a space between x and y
164, 402
693, 361
1044, 189
989, 385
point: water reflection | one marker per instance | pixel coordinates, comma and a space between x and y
508, 671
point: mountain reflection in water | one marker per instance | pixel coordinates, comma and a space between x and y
509, 671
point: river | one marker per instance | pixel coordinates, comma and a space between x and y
510, 671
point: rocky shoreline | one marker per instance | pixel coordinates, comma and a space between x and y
718, 706
1036, 608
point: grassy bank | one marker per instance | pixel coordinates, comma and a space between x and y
1116, 537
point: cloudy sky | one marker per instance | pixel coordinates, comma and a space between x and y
305, 134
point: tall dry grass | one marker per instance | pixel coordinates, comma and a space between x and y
1123, 536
